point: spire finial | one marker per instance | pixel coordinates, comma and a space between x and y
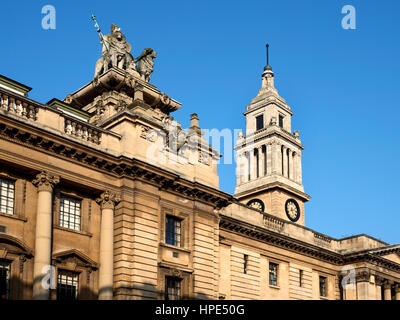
267, 67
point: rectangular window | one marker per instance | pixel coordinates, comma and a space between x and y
70, 213
300, 278
67, 285
172, 288
322, 286
4, 280
259, 122
245, 262
6, 196
173, 231
273, 274
281, 121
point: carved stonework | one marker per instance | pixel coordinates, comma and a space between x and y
108, 200
45, 181
362, 276
379, 280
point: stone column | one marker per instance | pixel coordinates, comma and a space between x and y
285, 162
45, 184
387, 293
397, 291
260, 162
252, 168
294, 175
107, 201
290, 159
299, 173
269, 159
276, 158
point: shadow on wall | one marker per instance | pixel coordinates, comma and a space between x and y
22, 290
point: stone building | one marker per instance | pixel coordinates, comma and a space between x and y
105, 196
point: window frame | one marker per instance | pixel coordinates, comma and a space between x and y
177, 242
276, 284
262, 122
177, 280
67, 273
245, 263
325, 295
61, 213
11, 182
6, 265
281, 117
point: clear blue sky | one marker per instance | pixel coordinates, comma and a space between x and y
343, 85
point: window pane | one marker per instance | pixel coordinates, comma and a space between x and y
67, 285
259, 122
172, 288
273, 274
281, 121
70, 213
4, 280
322, 286
173, 231
6, 196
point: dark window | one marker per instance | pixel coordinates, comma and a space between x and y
281, 121
259, 122
67, 285
172, 288
322, 286
4, 280
173, 231
245, 262
70, 213
273, 274
300, 278
6, 196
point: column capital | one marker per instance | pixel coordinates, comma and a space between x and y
363, 276
108, 200
387, 285
397, 288
45, 181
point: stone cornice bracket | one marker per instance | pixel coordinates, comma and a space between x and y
45, 181
108, 200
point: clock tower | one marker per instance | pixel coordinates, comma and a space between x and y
269, 175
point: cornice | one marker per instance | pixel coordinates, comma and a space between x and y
301, 247
279, 240
269, 131
115, 165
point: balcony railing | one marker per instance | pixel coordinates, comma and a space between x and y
17, 106
82, 130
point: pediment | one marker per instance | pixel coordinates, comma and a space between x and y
74, 258
12, 244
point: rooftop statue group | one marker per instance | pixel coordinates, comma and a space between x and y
116, 52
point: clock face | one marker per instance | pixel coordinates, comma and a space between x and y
256, 204
292, 210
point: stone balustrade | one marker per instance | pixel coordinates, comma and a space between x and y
322, 239
82, 130
18, 106
273, 223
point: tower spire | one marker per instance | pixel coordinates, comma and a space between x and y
267, 67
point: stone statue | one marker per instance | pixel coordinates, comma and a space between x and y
116, 52
146, 63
